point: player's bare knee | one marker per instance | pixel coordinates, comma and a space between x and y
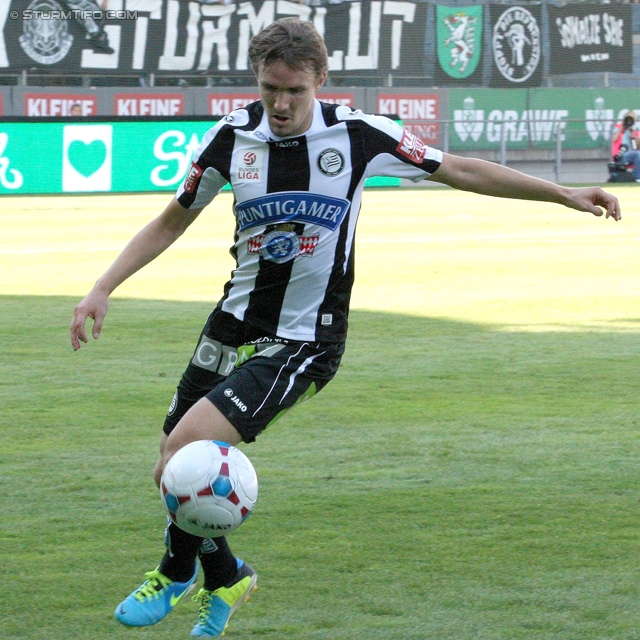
204, 421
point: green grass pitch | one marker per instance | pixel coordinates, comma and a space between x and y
471, 473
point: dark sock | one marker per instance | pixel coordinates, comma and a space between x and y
218, 563
182, 549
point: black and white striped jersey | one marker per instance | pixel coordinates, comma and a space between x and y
296, 204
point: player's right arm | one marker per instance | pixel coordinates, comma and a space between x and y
144, 247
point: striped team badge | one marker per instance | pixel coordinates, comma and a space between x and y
331, 162
282, 245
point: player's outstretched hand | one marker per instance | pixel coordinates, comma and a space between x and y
94, 306
594, 200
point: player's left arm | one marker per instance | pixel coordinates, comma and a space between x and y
491, 179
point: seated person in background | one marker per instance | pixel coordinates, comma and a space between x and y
625, 143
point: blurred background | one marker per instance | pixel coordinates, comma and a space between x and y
537, 85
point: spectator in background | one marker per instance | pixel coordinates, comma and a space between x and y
76, 109
625, 143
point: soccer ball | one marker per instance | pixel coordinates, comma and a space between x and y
209, 488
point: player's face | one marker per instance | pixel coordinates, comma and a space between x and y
287, 96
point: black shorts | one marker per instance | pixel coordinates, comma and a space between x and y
251, 378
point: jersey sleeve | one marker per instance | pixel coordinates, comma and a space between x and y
208, 172
393, 151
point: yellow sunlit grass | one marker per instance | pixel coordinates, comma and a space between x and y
431, 252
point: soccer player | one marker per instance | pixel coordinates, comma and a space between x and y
297, 168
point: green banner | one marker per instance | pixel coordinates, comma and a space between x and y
58, 157
532, 118
459, 38
96, 156
478, 115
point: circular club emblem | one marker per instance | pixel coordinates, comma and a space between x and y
516, 44
331, 162
46, 39
280, 246
250, 158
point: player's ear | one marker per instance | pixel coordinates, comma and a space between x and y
321, 80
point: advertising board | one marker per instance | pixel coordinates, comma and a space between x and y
101, 155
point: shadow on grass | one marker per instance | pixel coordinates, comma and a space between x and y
424, 369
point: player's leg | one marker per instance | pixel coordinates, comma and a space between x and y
203, 421
272, 379
165, 586
227, 580
222, 593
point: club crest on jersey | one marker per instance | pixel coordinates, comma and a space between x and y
330, 162
192, 178
411, 147
282, 244
287, 206
250, 166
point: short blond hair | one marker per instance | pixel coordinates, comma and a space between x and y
296, 42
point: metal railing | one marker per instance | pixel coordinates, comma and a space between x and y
557, 144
